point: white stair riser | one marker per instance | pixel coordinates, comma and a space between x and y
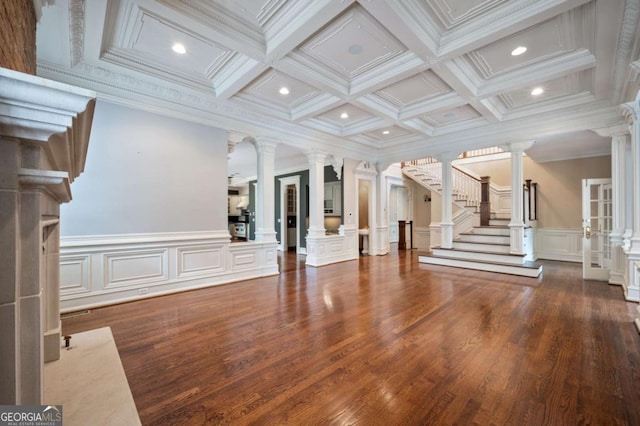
484, 257
493, 248
499, 222
489, 239
505, 269
493, 231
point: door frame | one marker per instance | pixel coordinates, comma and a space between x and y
284, 183
600, 273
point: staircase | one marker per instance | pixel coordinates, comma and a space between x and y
484, 248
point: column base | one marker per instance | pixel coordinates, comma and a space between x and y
316, 232
266, 237
446, 235
632, 286
516, 238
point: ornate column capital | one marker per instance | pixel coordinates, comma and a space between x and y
337, 162
446, 157
262, 144
315, 156
517, 146
613, 131
631, 110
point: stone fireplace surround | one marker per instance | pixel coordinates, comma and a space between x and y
44, 135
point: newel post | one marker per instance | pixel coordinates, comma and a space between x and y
485, 200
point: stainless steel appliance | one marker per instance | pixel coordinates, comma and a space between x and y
240, 230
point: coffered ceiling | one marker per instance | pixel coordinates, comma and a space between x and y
378, 80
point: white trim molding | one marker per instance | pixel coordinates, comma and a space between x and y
102, 270
327, 249
558, 244
422, 237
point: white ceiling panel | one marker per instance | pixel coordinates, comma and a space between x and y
450, 116
420, 87
155, 39
388, 133
436, 70
455, 12
352, 44
266, 90
354, 113
557, 88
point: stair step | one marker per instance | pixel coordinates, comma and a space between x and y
486, 247
499, 222
475, 237
479, 255
527, 269
492, 230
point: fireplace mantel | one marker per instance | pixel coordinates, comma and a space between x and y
44, 136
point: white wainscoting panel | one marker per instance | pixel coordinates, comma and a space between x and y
193, 261
559, 244
103, 270
435, 235
422, 238
329, 249
394, 233
135, 267
75, 274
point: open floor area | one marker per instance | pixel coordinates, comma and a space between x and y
381, 340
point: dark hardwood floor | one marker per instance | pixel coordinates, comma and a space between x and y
382, 341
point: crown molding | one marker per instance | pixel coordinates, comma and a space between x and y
628, 45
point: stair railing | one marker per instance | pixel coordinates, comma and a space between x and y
468, 186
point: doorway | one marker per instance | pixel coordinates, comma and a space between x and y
364, 216
289, 214
597, 221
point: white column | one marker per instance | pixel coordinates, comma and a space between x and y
632, 288
446, 223
265, 209
380, 241
316, 194
516, 225
618, 176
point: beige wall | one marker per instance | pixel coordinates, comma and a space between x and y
559, 185
421, 208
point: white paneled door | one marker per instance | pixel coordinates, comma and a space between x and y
596, 226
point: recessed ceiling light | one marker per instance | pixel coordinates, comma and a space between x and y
284, 91
344, 115
385, 132
179, 48
518, 51
537, 91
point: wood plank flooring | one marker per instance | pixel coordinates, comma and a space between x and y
382, 341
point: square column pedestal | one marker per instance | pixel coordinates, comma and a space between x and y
44, 134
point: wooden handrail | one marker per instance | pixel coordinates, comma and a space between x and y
466, 174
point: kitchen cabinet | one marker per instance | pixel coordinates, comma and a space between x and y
333, 198
232, 205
